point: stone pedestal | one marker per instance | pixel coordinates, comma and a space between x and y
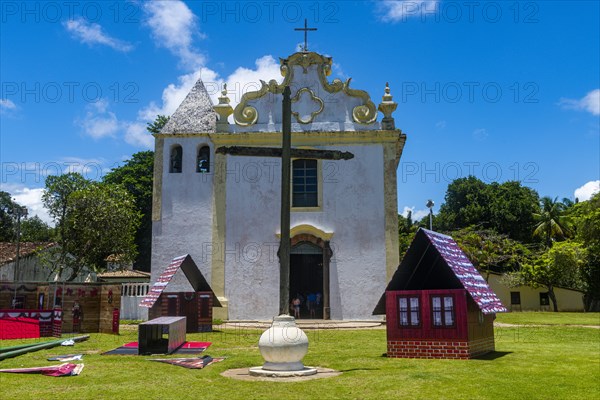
283, 346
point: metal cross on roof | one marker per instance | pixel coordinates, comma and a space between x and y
305, 29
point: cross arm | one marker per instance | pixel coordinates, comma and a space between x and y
276, 152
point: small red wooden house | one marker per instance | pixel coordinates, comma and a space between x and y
182, 291
437, 305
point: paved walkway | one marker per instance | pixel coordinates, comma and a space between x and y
307, 324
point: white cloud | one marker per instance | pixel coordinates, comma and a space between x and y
416, 215
91, 33
243, 80
586, 191
98, 121
172, 97
441, 124
137, 135
173, 26
6, 104
338, 71
90, 168
239, 82
590, 103
30, 198
402, 10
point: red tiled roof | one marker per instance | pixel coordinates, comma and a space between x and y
8, 250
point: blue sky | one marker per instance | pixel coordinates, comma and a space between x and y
501, 90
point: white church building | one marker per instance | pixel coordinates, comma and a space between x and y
224, 210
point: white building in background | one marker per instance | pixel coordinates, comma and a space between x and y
31, 267
224, 210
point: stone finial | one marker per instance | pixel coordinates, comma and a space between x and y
224, 110
387, 107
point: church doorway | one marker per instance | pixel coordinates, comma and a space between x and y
306, 279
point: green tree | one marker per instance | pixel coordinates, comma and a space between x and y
35, 230
558, 266
586, 221
507, 208
406, 233
103, 219
551, 223
136, 175
156, 125
492, 252
59, 189
466, 203
7, 219
511, 209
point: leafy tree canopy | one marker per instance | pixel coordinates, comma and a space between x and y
558, 266
156, 125
7, 221
103, 220
491, 251
35, 230
136, 176
551, 222
505, 207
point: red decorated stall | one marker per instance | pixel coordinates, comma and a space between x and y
27, 324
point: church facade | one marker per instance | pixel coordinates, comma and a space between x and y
224, 209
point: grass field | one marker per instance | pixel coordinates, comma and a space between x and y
532, 362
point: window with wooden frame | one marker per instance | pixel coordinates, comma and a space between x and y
409, 311
442, 311
305, 184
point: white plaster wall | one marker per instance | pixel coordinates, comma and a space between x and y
31, 269
353, 208
186, 211
252, 218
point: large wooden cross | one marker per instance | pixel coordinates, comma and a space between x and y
286, 152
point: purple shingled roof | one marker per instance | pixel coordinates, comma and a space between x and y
466, 273
162, 282
192, 273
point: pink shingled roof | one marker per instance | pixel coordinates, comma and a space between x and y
162, 282
464, 270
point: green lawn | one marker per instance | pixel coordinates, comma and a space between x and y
539, 362
550, 318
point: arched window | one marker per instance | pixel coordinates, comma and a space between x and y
176, 160
203, 160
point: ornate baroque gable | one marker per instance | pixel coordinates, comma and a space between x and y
317, 104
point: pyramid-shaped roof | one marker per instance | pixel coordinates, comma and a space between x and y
194, 115
435, 261
189, 268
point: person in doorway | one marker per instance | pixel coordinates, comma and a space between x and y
311, 301
296, 304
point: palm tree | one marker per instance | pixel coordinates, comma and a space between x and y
550, 221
